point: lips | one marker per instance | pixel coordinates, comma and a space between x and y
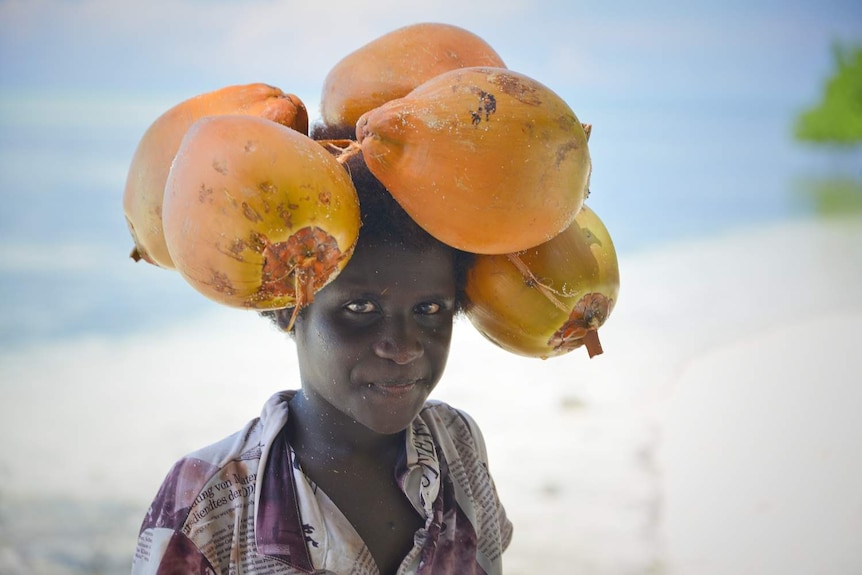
395, 388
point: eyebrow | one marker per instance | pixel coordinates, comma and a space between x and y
351, 290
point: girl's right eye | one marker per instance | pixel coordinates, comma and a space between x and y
361, 306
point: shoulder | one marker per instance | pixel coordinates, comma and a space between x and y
193, 475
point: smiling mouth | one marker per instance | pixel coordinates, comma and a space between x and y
394, 388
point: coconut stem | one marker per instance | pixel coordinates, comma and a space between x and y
303, 292
533, 281
592, 343
588, 129
297, 304
345, 149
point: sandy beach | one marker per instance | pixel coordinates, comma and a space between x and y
717, 435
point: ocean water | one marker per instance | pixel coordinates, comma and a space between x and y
664, 171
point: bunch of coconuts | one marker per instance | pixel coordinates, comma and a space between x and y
228, 189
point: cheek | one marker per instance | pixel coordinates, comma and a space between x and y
438, 344
341, 354
319, 353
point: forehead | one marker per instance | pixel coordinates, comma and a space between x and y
389, 265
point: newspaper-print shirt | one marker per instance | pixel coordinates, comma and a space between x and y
244, 506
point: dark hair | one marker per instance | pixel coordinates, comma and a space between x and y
383, 219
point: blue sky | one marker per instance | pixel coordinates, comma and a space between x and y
731, 49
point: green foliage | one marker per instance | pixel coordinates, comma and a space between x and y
833, 196
837, 119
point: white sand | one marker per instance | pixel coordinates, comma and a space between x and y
716, 435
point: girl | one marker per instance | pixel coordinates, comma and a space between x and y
358, 472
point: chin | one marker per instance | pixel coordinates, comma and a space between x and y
390, 422
390, 425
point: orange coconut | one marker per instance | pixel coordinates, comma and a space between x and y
485, 159
145, 183
551, 299
392, 65
257, 215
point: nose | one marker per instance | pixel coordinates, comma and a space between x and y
399, 341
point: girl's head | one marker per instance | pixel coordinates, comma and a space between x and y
383, 220
375, 340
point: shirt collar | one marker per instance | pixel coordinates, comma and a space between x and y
278, 524
419, 472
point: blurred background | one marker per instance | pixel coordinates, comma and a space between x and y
727, 152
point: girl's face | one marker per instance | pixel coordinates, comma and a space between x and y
374, 342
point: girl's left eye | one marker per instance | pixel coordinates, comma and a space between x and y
428, 308
361, 306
